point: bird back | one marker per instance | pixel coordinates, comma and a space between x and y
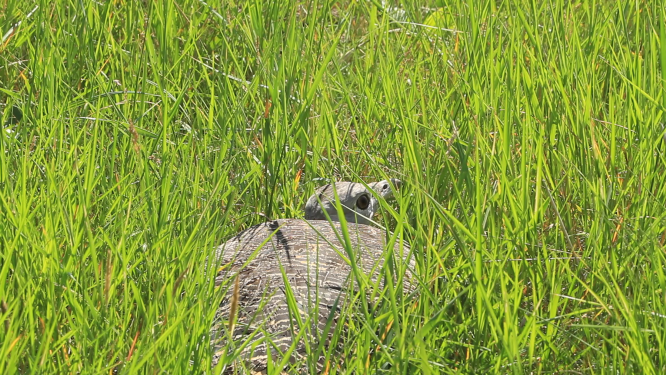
311, 257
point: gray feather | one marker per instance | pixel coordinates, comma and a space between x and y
317, 267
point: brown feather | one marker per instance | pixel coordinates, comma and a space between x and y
318, 271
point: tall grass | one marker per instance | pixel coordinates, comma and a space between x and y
530, 136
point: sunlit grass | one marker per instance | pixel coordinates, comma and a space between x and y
530, 138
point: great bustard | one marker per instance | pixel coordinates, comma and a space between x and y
311, 255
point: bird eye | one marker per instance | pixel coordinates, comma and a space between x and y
363, 202
385, 187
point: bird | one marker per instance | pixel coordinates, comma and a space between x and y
310, 254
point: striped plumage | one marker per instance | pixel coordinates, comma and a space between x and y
314, 260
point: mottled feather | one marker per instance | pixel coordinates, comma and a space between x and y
317, 267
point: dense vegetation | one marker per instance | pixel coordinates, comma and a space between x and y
530, 136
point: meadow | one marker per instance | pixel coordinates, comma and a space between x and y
530, 138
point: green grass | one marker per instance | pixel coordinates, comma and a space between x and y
531, 140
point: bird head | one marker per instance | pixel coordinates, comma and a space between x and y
358, 203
